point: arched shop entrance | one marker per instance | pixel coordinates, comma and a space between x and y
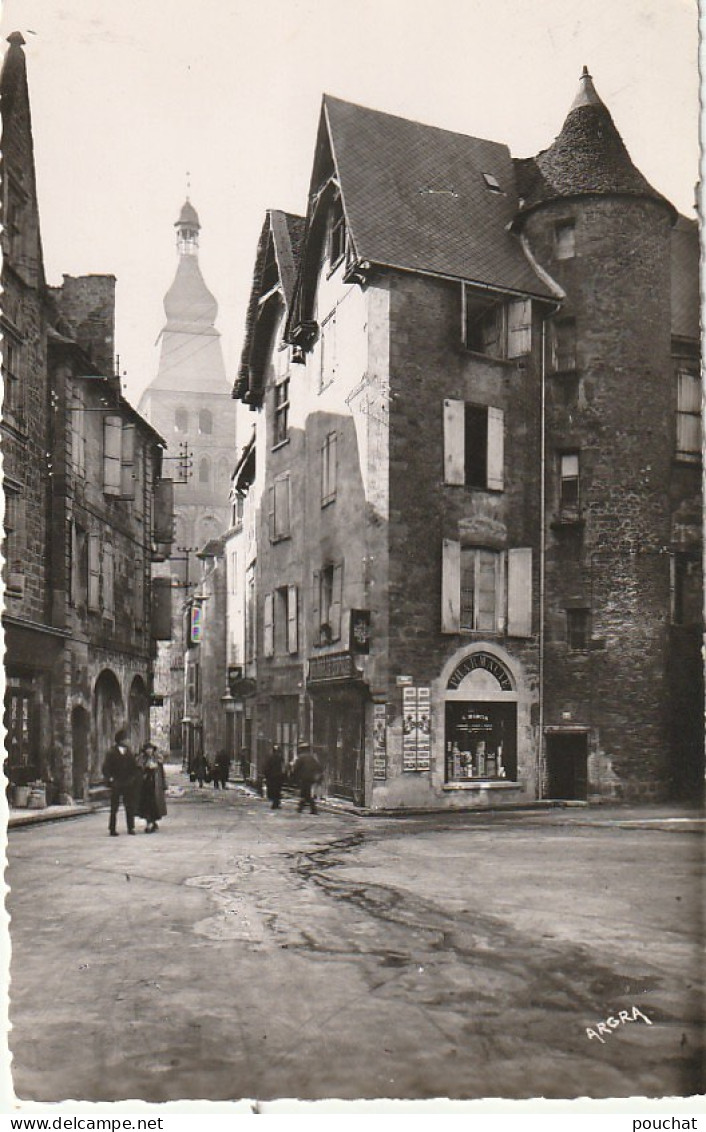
138, 711
480, 735
80, 730
109, 715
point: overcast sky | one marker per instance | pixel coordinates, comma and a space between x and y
127, 95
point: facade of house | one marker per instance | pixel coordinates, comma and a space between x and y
83, 502
34, 635
477, 546
189, 403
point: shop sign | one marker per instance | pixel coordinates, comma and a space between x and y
480, 660
360, 631
379, 741
401, 681
416, 728
335, 666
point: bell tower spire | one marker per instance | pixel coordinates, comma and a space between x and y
187, 229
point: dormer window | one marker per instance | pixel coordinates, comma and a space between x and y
494, 327
337, 233
492, 183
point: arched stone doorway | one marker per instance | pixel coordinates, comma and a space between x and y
109, 716
80, 732
138, 713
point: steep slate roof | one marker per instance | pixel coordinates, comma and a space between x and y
286, 230
588, 157
415, 198
685, 278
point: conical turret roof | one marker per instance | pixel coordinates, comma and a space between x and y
588, 158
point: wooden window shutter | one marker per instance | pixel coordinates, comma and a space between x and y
112, 455
451, 587
332, 455
269, 626
499, 593
127, 462
292, 619
519, 592
496, 438
336, 602
519, 328
281, 506
271, 512
454, 442
108, 581
75, 566
94, 572
316, 606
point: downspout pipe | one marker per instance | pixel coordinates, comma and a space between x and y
560, 295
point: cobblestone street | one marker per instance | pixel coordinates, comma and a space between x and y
243, 952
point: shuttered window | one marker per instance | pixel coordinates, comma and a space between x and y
474, 440
327, 603
475, 592
112, 455
496, 328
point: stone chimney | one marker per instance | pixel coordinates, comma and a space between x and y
87, 304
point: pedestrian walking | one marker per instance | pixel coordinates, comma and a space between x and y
274, 776
121, 771
152, 803
307, 772
199, 769
221, 769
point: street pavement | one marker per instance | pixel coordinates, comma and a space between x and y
244, 952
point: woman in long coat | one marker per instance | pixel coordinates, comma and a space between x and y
152, 802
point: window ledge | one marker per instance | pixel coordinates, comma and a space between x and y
280, 444
573, 372
506, 362
483, 784
690, 458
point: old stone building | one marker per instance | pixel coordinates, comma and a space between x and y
188, 402
82, 471
477, 484
109, 516
34, 636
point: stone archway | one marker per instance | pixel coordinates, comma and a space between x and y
138, 713
108, 717
80, 734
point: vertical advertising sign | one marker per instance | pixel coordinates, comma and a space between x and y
423, 728
416, 729
379, 741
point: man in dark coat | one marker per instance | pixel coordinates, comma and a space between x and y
307, 771
122, 772
274, 776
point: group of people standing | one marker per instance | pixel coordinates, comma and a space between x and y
136, 780
216, 772
305, 772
